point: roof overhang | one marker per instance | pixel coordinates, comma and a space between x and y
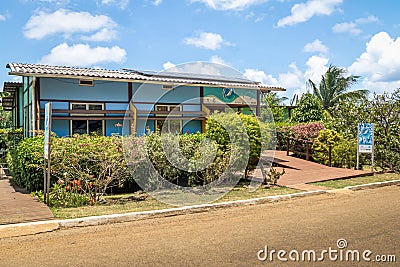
10, 88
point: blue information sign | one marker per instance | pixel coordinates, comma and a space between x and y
365, 137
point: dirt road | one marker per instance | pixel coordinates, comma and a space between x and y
367, 220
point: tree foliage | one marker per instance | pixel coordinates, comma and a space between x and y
308, 109
334, 86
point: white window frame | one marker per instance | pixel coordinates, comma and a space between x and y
170, 107
87, 121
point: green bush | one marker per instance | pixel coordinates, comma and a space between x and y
194, 164
97, 162
26, 163
343, 152
249, 135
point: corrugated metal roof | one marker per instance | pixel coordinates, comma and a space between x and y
39, 70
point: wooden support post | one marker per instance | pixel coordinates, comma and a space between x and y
307, 151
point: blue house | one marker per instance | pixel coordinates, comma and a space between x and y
86, 100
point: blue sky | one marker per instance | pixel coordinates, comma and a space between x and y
277, 42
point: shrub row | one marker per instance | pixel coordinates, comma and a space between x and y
88, 164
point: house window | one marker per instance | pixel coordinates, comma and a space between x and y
90, 126
166, 120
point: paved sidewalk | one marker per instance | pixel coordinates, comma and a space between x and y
299, 172
17, 206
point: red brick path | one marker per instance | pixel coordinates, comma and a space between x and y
17, 206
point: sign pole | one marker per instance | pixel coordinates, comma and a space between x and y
373, 148
358, 150
47, 147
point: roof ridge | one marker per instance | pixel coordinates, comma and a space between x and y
124, 74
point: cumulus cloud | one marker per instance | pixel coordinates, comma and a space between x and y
305, 11
206, 40
353, 27
316, 67
229, 4
2, 18
349, 27
67, 22
315, 46
102, 36
83, 55
294, 80
380, 63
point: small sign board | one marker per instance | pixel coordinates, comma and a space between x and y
365, 137
47, 129
365, 143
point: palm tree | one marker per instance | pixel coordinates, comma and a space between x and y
334, 86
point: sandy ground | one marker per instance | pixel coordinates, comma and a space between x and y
367, 219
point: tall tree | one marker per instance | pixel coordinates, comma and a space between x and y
334, 87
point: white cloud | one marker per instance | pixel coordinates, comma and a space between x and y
315, 46
229, 4
380, 63
305, 11
2, 18
316, 67
102, 36
369, 19
217, 60
83, 55
157, 2
66, 22
168, 65
119, 3
349, 27
353, 26
294, 80
207, 40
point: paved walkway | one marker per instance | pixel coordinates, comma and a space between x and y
18, 206
299, 172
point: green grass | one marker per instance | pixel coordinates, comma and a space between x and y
337, 184
125, 203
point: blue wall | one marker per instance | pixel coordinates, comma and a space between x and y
155, 93
106, 91
69, 89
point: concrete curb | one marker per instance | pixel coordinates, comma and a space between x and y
22, 229
373, 185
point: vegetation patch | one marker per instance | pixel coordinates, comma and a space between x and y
140, 201
342, 183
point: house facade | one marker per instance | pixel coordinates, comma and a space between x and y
86, 100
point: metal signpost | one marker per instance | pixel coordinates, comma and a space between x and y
365, 143
47, 147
